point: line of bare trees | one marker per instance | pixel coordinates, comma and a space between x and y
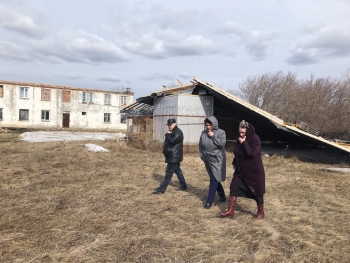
323, 103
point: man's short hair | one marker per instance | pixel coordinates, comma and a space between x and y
170, 122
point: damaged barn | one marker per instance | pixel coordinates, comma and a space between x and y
191, 103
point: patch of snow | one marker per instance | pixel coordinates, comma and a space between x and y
46, 136
96, 148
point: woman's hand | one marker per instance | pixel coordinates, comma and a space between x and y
210, 133
241, 139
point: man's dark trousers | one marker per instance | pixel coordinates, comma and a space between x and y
172, 168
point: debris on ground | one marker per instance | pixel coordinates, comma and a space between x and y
96, 148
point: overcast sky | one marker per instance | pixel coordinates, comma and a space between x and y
143, 45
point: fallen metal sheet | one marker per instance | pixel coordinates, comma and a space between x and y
343, 170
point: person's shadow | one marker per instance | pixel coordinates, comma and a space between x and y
201, 193
191, 190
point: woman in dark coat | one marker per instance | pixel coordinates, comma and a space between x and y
249, 176
212, 150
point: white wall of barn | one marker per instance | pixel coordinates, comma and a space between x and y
189, 111
83, 115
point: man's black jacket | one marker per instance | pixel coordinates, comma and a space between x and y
173, 146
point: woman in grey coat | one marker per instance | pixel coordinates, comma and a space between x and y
212, 150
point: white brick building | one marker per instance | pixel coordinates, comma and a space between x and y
40, 106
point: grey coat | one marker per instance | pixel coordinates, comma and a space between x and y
212, 150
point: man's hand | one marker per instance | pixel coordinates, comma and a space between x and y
210, 133
234, 167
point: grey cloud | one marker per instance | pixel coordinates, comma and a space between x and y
165, 34
81, 47
110, 79
255, 42
10, 51
191, 46
326, 43
69, 46
21, 24
172, 45
156, 76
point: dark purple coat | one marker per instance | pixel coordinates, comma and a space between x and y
248, 163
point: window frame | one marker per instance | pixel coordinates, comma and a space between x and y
123, 100
84, 97
107, 99
25, 93
1, 111
108, 115
91, 97
47, 112
23, 110
1, 91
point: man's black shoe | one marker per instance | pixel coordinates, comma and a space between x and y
181, 189
207, 205
159, 190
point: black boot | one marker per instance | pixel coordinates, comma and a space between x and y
159, 190
207, 205
221, 194
182, 187
222, 199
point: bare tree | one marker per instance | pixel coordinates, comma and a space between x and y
320, 102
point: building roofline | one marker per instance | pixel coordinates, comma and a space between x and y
48, 86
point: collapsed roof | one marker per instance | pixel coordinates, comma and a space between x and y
268, 126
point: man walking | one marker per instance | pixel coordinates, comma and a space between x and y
173, 152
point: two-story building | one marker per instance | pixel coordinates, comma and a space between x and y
41, 106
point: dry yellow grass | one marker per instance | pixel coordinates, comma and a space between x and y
61, 203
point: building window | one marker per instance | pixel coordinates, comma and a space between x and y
23, 115
107, 99
83, 113
45, 115
24, 93
1, 91
107, 117
84, 98
0, 113
91, 97
66, 96
45, 94
123, 100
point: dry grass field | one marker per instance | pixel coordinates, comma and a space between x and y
61, 203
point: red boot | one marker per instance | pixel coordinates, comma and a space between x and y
231, 208
260, 214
